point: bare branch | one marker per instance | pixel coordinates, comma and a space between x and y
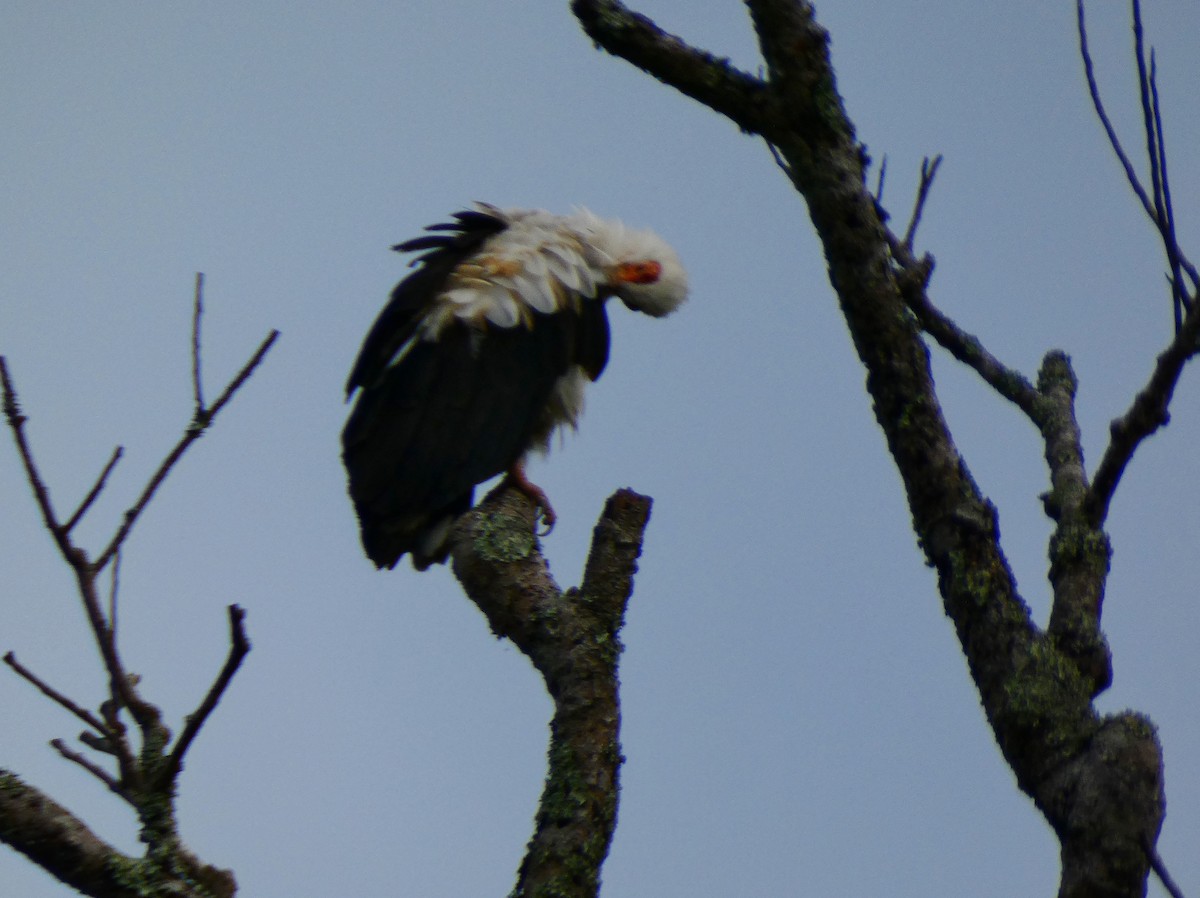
239, 647
16, 422
572, 640
1056, 744
928, 173
913, 279
52, 837
1148, 412
1160, 870
197, 312
702, 76
144, 780
54, 695
98, 772
1158, 208
1114, 141
779, 160
1152, 150
122, 691
193, 432
59, 842
94, 492
616, 546
1079, 550
114, 583
1179, 297
965, 347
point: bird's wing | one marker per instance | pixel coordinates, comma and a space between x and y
399, 319
454, 413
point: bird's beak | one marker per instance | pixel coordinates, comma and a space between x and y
644, 272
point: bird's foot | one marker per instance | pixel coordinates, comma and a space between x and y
518, 479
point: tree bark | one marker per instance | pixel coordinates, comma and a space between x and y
1097, 780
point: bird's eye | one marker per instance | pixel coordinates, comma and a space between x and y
644, 272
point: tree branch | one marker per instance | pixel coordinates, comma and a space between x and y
1160, 870
1079, 548
94, 491
929, 170
122, 690
200, 423
913, 279
702, 76
1035, 697
98, 772
63, 845
146, 779
54, 695
16, 423
239, 647
1158, 209
1148, 412
572, 640
197, 313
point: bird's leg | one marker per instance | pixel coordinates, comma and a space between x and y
518, 478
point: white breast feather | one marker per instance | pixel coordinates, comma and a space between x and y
537, 264
545, 263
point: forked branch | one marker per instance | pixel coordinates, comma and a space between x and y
239, 647
572, 639
200, 423
1037, 694
1150, 409
146, 776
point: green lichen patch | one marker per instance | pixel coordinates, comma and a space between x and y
504, 538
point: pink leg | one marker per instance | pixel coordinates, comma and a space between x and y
518, 478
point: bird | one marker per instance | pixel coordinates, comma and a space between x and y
480, 356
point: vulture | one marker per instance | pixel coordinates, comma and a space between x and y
480, 355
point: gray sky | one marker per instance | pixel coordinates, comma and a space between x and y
798, 716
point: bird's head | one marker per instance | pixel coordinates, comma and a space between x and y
642, 269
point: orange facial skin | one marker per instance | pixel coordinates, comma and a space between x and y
647, 272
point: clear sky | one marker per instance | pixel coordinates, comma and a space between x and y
798, 716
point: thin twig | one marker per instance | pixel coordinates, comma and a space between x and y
779, 161
1165, 229
1160, 869
95, 770
16, 421
112, 593
53, 694
929, 171
239, 647
879, 182
966, 347
1148, 412
123, 693
1139, 54
197, 312
1170, 241
913, 276
94, 492
1098, 105
121, 686
193, 432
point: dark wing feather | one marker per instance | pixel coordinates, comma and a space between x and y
451, 415
429, 241
592, 340
399, 318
